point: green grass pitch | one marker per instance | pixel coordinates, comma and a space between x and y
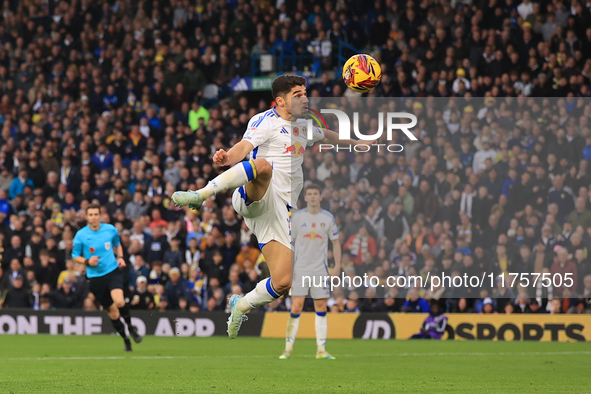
97, 364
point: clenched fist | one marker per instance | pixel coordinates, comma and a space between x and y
221, 158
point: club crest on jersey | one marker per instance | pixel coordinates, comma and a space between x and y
107, 245
322, 225
296, 131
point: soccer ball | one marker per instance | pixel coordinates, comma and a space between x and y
362, 73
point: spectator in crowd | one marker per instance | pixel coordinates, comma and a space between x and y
415, 304
247, 253
562, 196
534, 307
174, 256
155, 247
351, 306
176, 290
565, 269
462, 307
141, 298
18, 184
17, 296
426, 202
487, 306
581, 216
580, 308
65, 297
359, 244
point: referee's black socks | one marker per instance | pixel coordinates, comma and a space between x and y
126, 315
119, 327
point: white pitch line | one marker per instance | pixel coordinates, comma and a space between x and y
303, 355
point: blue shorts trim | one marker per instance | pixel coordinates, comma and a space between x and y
243, 195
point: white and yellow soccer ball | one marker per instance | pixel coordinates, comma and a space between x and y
362, 73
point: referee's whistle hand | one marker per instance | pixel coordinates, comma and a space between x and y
93, 261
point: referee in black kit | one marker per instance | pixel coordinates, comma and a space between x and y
96, 246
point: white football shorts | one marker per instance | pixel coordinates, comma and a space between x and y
267, 218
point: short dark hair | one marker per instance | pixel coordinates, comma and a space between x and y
313, 186
284, 83
93, 206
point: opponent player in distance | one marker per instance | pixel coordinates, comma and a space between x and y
267, 186
311, 228
95, 245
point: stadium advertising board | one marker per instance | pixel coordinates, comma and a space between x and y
148, 323
544, 327
562, 328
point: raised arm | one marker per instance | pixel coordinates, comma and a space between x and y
236, 154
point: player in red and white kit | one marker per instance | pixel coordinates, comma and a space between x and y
268, 186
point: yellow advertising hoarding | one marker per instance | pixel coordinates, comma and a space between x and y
542, 327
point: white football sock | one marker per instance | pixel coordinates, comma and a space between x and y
262, 294
292, 331
321, 325
234, 177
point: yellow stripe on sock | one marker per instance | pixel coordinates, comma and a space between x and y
254, 168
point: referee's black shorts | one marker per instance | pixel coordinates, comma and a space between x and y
101, 287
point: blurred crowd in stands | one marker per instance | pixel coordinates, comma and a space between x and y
103, 101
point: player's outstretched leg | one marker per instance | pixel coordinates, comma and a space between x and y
321, 325
278, 258
232, 178
119, 326
293, 323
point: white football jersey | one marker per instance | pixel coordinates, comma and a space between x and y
284, 148
310, 234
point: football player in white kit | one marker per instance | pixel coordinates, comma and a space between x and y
311, 228
267, 184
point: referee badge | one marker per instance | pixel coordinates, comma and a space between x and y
107, 245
